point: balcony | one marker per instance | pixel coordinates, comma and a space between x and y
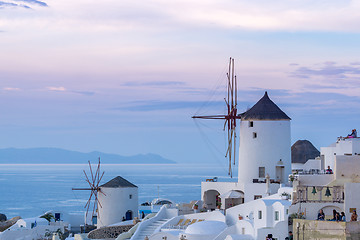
318, 194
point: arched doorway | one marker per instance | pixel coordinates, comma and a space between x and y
328, 210
128, 215
232, 198
210, 198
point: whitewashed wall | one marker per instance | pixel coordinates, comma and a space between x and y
271, 144
352, 196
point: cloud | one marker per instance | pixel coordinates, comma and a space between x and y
86, 93
11, 89
56, 89
40, 3
23, 3
328, 78
10, 4
279, 15
63, 89
155, 83
328, 70
166, 105
7, 4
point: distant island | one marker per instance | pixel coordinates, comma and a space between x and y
57, 155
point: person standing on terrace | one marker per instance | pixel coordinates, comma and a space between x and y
354, 216
329, 170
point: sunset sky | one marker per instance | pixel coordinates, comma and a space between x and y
125, 77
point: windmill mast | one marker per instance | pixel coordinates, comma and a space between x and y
231, 116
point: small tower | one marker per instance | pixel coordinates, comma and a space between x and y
120, 199
264, 148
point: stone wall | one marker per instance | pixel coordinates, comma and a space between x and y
109, 232
325, 230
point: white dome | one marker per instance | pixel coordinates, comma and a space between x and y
206, 228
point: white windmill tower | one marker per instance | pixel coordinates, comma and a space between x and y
265, 148
120, 200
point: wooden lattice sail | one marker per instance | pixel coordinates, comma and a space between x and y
93, 187
231, 115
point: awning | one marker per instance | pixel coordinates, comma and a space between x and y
232, 194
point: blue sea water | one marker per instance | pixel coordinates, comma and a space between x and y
28, 190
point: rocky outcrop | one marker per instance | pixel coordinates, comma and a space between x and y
109, 232
6, 224
3, 217
303, 150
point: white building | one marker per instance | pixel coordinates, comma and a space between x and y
251, 220
264, 150
33, 228
118, 199
343, 146
339, 191
258, 218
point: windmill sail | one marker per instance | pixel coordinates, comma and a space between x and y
230, 117
93, 187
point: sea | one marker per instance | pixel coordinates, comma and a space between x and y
29, 190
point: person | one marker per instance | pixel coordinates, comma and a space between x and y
353, 216
321, 215
269, 237
291, 237
337, 217
329, 170
343, 218
142, 215
353, 134
123, 219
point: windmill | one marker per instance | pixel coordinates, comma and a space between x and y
94, 188
231, 115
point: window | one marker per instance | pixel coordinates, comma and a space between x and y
257, 197
251, 124
276, 215
261, 172
287, 211
254, 135
260, 214
130, 196
242, 231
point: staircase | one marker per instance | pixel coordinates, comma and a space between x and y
149, 230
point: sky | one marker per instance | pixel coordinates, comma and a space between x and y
126, 76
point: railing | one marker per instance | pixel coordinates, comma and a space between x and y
318, 194
256, 180
313, 172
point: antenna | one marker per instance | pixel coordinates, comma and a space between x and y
94, 188
231, 116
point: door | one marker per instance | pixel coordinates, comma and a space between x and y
279, 173
128, 215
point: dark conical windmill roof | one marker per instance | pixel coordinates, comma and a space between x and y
303, 150
118, 182
264, 109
